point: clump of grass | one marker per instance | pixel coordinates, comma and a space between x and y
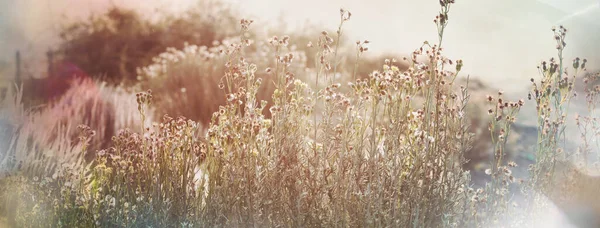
383, 150
553, 175
51, 131
188, 82
351, 145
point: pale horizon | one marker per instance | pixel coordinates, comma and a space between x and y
500, 43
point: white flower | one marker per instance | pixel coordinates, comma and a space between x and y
297, 82
431, 139
488, 171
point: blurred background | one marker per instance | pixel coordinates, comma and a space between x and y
500, 42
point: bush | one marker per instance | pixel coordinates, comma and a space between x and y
113, 45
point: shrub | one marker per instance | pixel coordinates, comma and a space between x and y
114, 44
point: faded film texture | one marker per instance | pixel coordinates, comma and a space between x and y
207, 113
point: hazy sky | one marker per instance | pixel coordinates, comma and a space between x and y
499, 41
31, 26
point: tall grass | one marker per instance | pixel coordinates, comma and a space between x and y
189, 82
34, 135
387, 150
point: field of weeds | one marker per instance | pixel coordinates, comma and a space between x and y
191, 123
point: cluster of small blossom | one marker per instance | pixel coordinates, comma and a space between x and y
331, 95
276, 42
345, 14
503, 170
416, 119
144, 98
133, 161
299, 99
478, 196
86, 133
245, 23
504, 109
555, 87
162, 62
325, 49
592, 91
560, 36
362, 46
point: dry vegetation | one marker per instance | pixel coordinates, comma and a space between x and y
270, 133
